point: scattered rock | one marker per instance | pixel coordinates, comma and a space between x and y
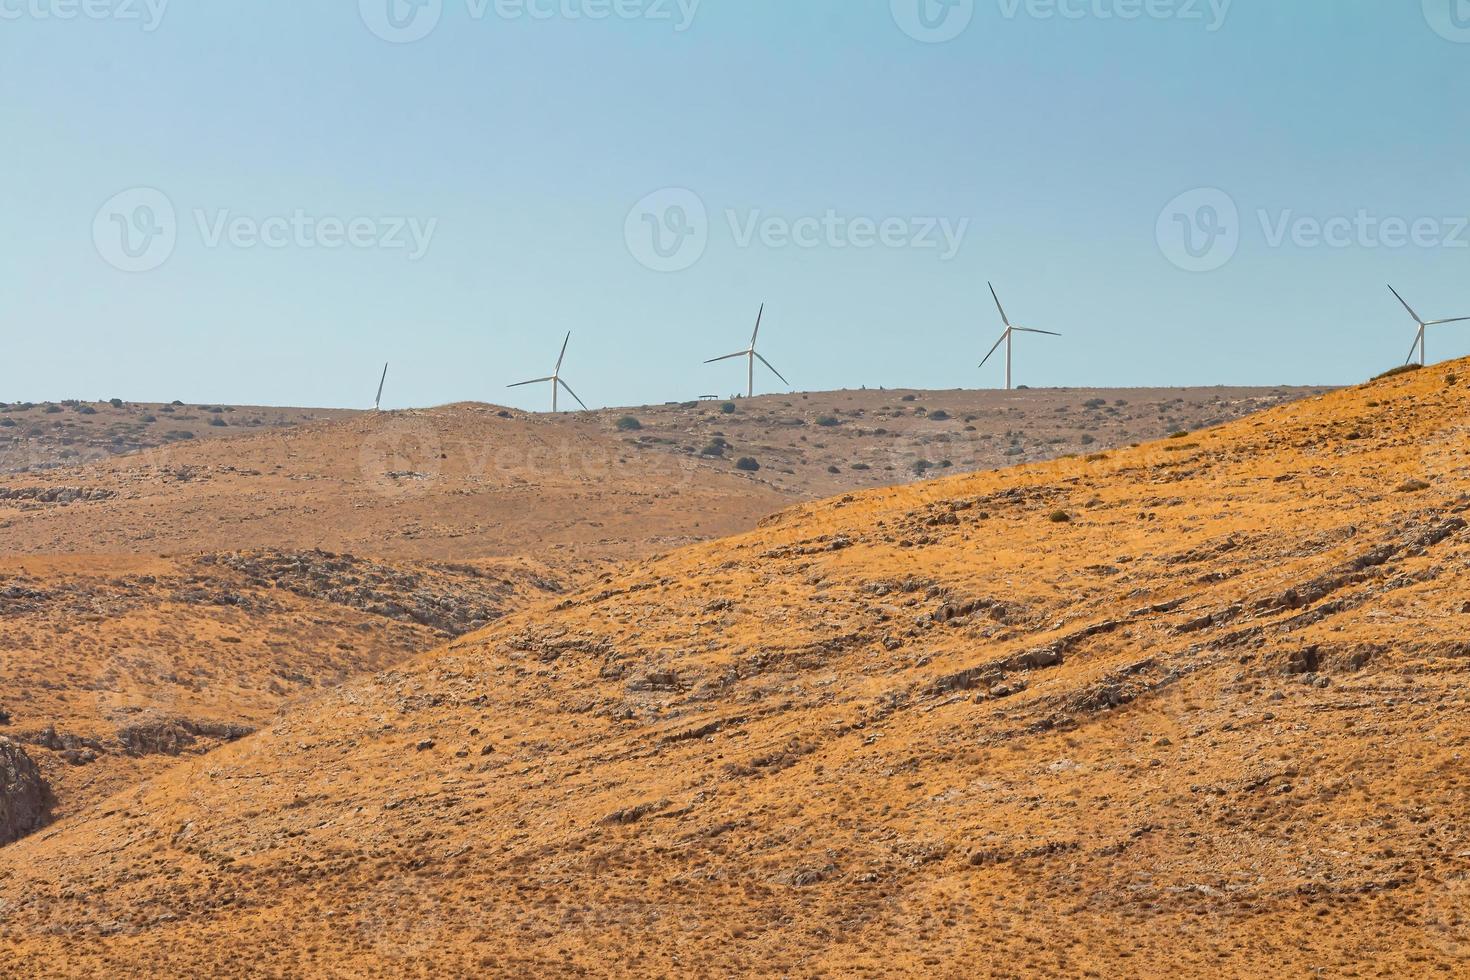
25, 799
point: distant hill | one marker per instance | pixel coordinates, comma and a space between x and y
1196, 707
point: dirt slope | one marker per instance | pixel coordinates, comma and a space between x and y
113, 668
1194, 708
57, 435
453, 483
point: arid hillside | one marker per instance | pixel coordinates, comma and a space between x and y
453, 483
1193, 708
178, 597
114, 667
56, 435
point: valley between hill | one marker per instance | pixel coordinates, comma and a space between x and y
1196, 707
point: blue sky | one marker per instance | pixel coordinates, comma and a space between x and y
518, 137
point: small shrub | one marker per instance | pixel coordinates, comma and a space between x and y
939, 415
728, 408
218, 422
830, 469
1060, 517
53, 409
115, 402
910, 398
629, 424
1181, 434
1401, 369
1413, 486
86, 410
827, 421
861, 467
747, 464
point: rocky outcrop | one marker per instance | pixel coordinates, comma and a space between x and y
56, 495
25, 799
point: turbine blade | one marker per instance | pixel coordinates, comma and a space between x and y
1416, 316
1003, 318
995, 348
379, 399
773, 370
563, 356
1412, 350
1030, 330
537, 381
728, 357
757, 333
574, 395
1458, 319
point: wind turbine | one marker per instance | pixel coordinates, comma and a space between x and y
752, 356
556, 382
1423, 328
1006, 337
378, 401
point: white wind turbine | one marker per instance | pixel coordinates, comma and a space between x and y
1005, 338
556, 382
378, 401
1423, 328
752, 356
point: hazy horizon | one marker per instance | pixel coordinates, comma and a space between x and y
261, 203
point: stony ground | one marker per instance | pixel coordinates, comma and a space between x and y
1192, 708
60, 435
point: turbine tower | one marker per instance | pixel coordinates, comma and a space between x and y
1006, 337
378, 401
556, 382
752, 356
1423, 328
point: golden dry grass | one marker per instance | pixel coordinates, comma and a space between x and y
1214, 724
